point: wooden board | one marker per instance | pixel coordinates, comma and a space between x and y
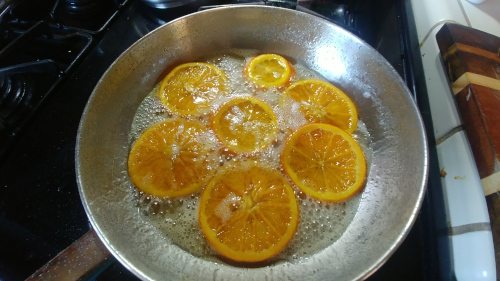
472, 64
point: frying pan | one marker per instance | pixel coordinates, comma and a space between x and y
397, 171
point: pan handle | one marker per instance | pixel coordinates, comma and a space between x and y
83, 259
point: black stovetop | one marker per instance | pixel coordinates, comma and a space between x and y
40, 209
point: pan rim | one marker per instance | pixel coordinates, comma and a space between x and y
382, 259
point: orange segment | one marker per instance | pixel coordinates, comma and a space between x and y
245, 124
172, 158
189, 88
321, 102
269, 70
248, 212
325, 162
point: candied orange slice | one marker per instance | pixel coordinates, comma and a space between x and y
269, 70
321, 102
248, 212
172, 158
325, 162
189, 88
245, 124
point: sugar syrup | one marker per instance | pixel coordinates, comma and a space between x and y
320, 224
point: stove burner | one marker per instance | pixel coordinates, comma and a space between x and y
89, 15
20, 87
34, 58
16, 92
164, 4
83, 7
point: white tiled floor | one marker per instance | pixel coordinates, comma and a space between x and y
472, 251
479, 268
433, 12
461, 182
443, 110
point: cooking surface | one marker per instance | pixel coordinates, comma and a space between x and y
40, 208
468, 221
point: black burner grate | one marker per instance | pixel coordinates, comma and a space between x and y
90, 16
16, 92
33, 60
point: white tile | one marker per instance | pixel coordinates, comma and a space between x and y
473, 256
484, 16
463, 192
444, 112
476, 1
429, 13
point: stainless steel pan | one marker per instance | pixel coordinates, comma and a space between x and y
397, 171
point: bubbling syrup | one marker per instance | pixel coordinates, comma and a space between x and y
320, 223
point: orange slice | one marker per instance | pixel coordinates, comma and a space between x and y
189, 88
245, 124
248, 212
269, 70
321, 102
325, 162
172, 158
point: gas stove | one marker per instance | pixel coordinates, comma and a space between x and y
52, 54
